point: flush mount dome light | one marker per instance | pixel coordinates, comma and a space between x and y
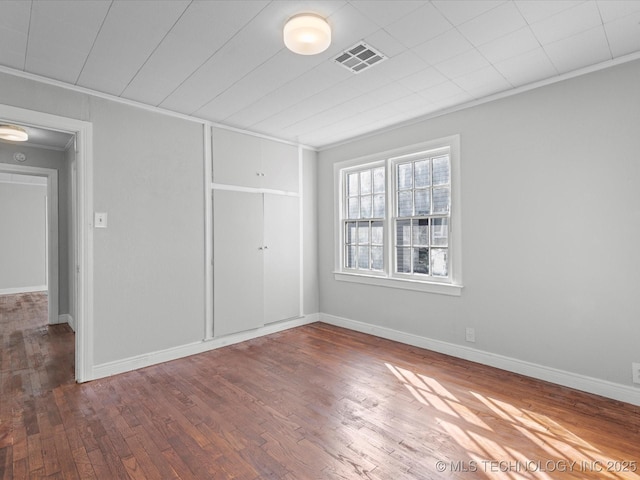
13, 133
307, 34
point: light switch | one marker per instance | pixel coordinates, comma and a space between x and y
100, 220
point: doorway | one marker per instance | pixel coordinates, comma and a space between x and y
81, 236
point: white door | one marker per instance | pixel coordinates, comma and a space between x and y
281, 257
237, 262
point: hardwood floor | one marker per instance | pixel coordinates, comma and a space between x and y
315, 402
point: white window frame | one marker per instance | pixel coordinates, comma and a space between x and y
451, 285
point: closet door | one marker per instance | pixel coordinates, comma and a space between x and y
236, 158
279, 162
281, 257
237, 262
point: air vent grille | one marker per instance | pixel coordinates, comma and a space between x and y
360, 57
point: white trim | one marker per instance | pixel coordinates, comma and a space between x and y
174, 353
18, 290
208, 232
52, 266
301, 250
67, 318
402, 283
239, 188
596, 386
496, 96
84, 158
133, 103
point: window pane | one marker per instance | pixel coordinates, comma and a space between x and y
421, 173
421, 232
403, 260
377, 234
421, 202
350, 233
365, 182
352, 184
378, 206
353, 208
365, 206
439, 267
441, 170
404, 176
403, 232
377, 262
440, 232
378, 180
350, 257
421, 260
441, 200
363, 232
363, 257
405, 203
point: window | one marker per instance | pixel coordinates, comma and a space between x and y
398, 219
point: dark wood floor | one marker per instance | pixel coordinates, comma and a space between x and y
316, 402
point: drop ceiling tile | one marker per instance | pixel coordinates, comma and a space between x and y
462, 11
61, 36
624, 34
14, 28
614, 9
201, 31
443, 47
441, 92
385, 43
567, 23
462, 64
126, 40
419, 26
510, 45
252, 46
384, 13
581, 50
495, 23
348, 26
535, 11
485, 81
265, 79
429, 77
527, 68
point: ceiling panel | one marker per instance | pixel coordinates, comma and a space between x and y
199, 33
14, 30
580, 50
462, 11
225, 61
125, 42
61, 35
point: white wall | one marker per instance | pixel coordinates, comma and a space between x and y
311, 300
551, 221
23, 244
149, 262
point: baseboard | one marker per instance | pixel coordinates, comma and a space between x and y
154, 358
67, 318
17, 290
596, 386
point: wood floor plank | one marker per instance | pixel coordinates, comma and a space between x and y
315, 402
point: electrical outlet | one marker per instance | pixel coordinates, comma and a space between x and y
635, 368
471, 334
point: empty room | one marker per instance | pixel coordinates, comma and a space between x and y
323, 239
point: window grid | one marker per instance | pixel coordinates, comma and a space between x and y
422, 194
364, 213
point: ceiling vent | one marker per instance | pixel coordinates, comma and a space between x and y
359, 57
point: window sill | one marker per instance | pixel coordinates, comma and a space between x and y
404, 284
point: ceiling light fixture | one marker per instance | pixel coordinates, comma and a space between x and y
13, 133
307, 34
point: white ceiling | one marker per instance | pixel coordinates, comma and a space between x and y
225, 61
